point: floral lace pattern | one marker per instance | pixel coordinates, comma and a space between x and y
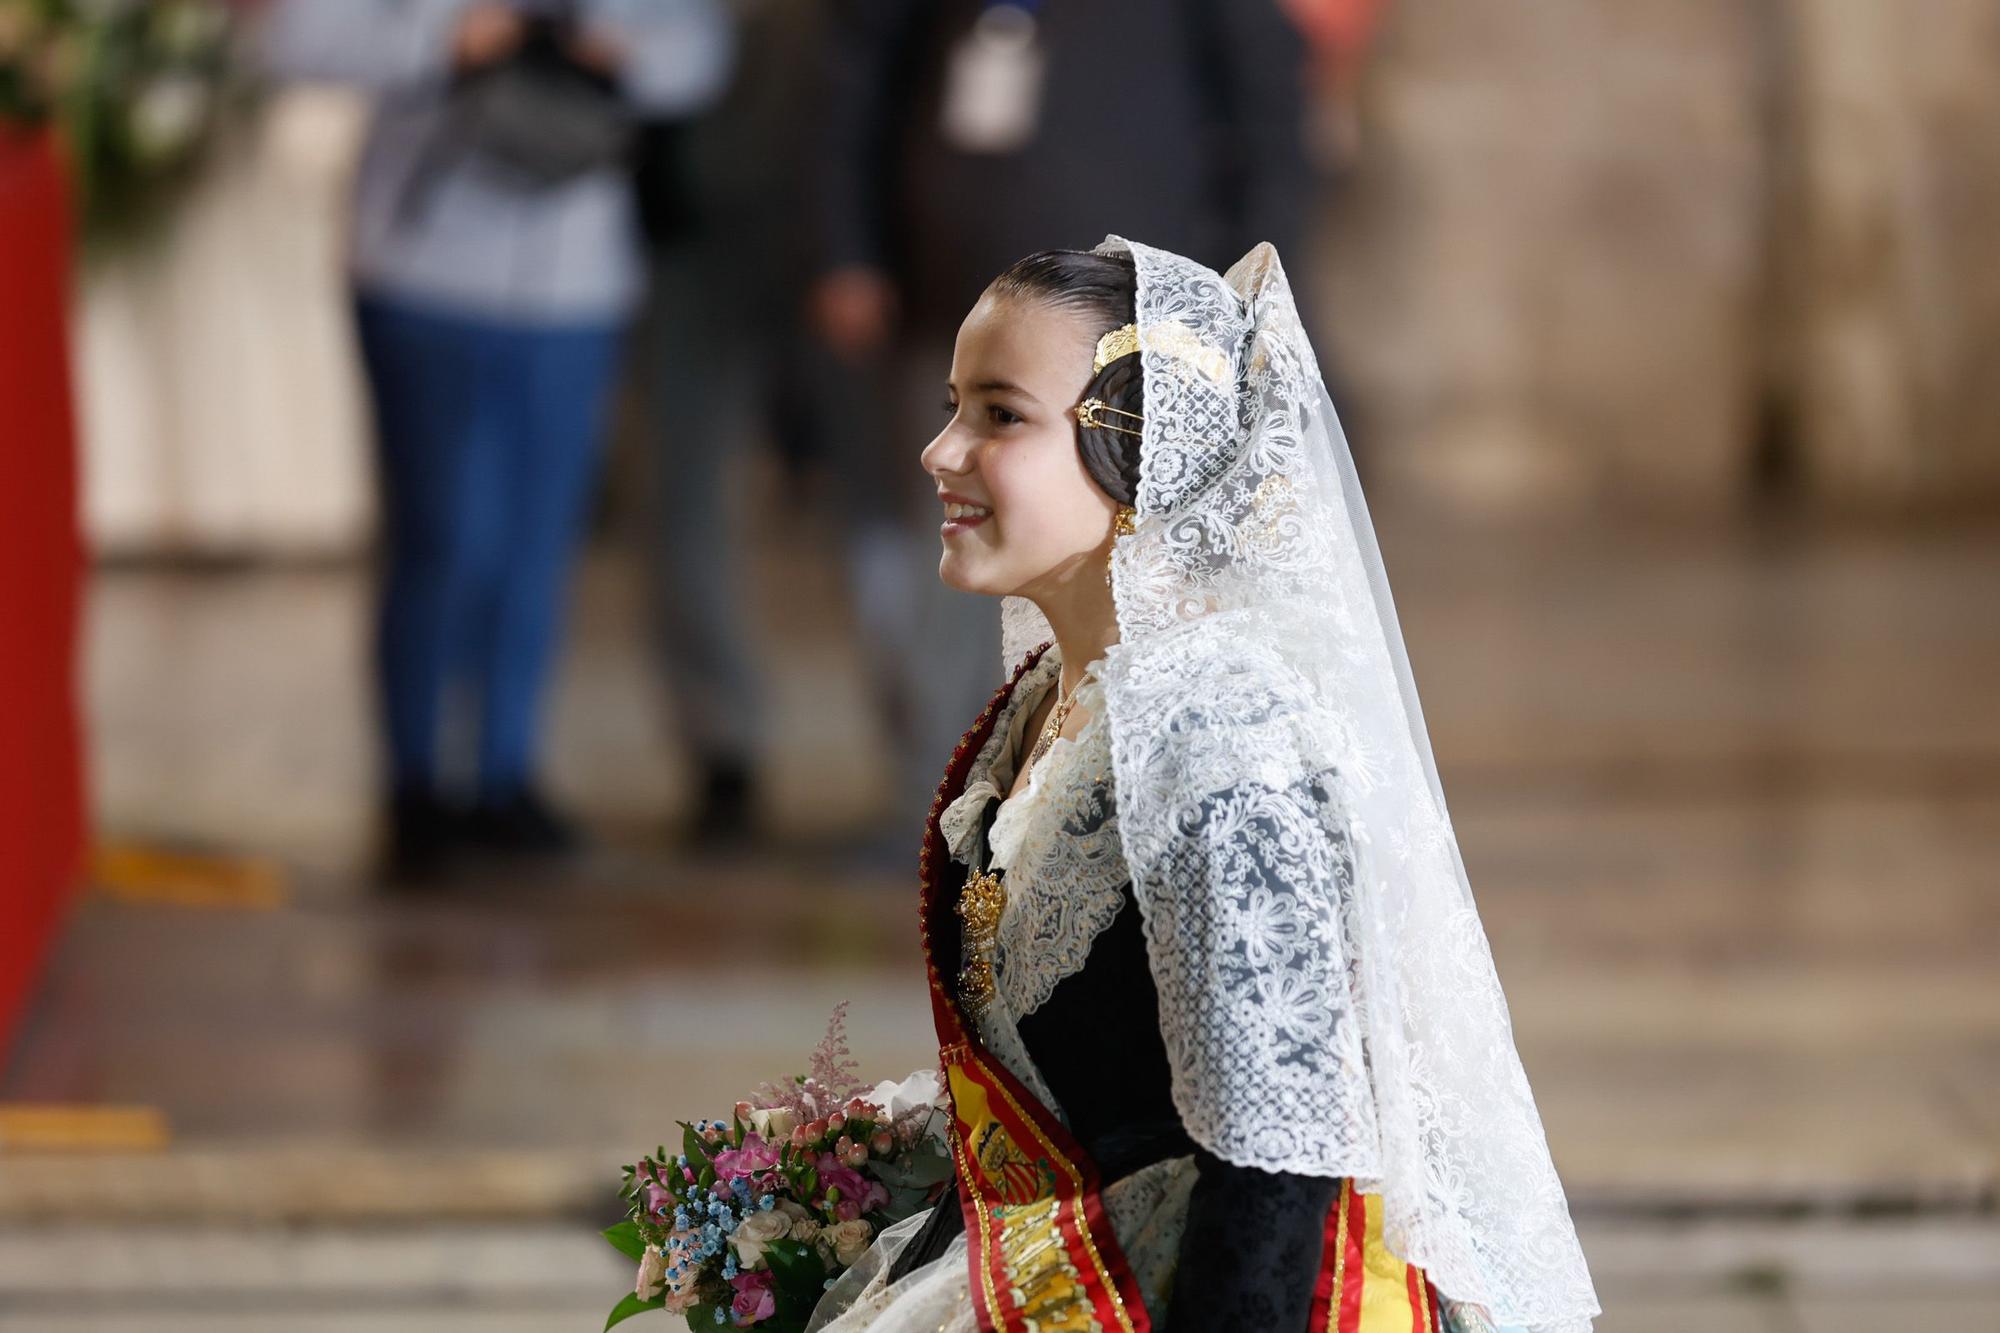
1065, 867
1057, 841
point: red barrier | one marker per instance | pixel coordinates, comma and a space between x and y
42, 821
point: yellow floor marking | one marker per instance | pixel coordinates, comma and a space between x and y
26, 1127
137, 873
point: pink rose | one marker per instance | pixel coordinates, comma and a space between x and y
755, 1301
682, 1291
755, 1155
652, 1274
867, 1195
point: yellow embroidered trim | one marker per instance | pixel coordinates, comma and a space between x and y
1340, 1255
1076, 1184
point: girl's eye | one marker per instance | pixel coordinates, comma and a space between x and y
1003, 416
948, 407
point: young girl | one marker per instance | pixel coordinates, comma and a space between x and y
1222, 1036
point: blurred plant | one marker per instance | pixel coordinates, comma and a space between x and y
135, 87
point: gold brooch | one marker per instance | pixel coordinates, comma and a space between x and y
1090, 412
980, 904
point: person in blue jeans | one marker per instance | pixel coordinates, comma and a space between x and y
490, 311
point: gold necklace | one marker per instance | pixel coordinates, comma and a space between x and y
984, 898
1057, 716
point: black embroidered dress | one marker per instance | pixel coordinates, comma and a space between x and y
1075, 1015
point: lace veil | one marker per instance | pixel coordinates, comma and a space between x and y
1326, 990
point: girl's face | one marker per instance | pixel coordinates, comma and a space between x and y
1009, 453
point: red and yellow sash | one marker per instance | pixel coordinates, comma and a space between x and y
1042, 1251
1363, 1287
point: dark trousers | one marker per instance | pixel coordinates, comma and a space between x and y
490, 435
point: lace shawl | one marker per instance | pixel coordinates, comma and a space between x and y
1056, 840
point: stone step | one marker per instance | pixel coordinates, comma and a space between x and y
1909, 1275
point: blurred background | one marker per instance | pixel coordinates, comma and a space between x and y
476, 672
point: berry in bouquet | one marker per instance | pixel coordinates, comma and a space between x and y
754, 1217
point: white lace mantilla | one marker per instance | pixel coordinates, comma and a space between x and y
1327, 998
1057, 841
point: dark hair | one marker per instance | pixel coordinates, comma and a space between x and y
1104, 289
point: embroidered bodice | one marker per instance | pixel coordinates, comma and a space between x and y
1075, 1015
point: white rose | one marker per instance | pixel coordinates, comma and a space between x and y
652, 1274
847, 1240
805, 1226
919, 1089
755, 1232
774, 1122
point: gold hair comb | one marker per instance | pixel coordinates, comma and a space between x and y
1121, 341
1090, 412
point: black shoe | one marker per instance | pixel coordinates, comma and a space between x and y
522, 824
424, 835
727, 814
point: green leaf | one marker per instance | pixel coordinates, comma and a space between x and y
632, 1305
918, 1169
625, 1239
795, 1264
691, 1144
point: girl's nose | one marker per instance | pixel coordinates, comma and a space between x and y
942, 455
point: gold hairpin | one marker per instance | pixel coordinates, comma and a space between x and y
1090, 412
1121, 341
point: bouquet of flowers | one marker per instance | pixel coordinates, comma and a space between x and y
136, 86
754, 1218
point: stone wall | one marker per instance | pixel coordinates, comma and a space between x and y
1895, 290
1622, 254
